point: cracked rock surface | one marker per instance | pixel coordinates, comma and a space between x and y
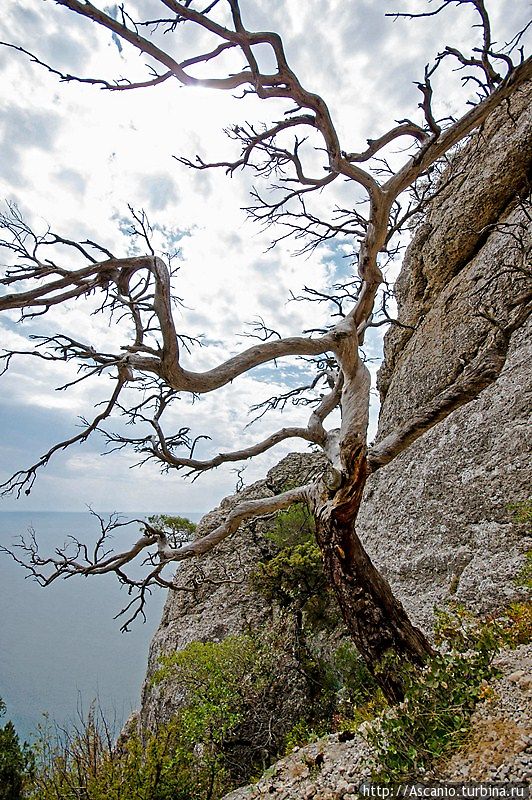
437, 519
498, 749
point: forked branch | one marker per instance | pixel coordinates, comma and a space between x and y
301, 158
76, 558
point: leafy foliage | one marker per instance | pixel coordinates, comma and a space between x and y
292, 527
355, 686
16, 761
178, 530
84, 762
522, 512
517, 622
293, 579
293, 576
236, 709
434, 718
524, 576
518, 615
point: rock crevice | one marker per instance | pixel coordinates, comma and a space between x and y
437, 521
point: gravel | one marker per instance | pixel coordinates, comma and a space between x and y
498, 749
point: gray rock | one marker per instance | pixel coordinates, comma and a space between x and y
216, 600
436, 520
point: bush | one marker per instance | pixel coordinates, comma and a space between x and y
179, 530
433, 719
82, 762
517, 623
293, 579
355, 685
239, 700
292, 527
517, 616
16, 761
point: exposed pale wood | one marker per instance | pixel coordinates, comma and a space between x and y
141, 289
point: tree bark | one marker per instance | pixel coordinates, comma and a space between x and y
375, 619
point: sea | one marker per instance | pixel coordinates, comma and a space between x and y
60, 647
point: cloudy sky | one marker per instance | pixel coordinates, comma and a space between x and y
73, 157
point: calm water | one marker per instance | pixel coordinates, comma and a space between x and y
60, 646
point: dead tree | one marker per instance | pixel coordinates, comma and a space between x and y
149, 371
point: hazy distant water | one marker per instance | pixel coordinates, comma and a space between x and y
60, 645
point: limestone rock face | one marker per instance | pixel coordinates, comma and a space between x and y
456, 263
436, 520
216, 600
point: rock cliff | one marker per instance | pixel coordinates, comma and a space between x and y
436, 520
218, 601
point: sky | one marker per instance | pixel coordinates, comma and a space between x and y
74, 156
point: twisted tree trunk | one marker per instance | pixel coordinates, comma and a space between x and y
376, 620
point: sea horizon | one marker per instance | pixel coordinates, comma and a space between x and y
86, 510
60, 646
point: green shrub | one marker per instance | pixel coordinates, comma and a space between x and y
517, 623
434, 718
517, 616
293, 578
301, 734
239, 699
292, 527
248, 699
217, 681
16, 761
355, 685
522, 512
524, 576
179, 530
83, 762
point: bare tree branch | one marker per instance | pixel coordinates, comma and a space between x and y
476, 376
75, 557
297, 161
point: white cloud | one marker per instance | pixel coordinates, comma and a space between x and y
75, 156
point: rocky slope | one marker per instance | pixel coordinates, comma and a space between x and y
437, 519
218, 601
498, 749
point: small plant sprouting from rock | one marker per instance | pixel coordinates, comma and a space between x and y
178, 530
434, 718
522, 512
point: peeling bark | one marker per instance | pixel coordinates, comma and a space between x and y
376, 620
139, 290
